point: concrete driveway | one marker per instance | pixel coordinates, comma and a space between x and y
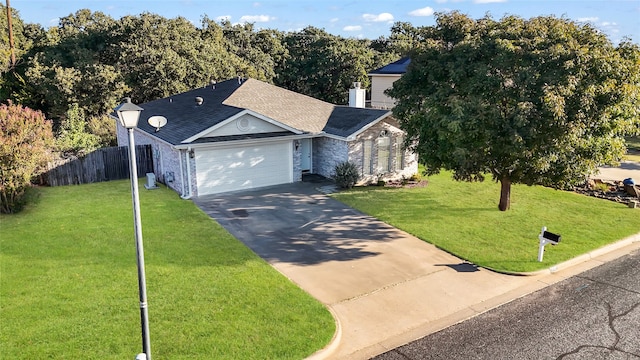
383, 286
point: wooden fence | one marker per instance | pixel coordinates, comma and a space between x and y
101, 165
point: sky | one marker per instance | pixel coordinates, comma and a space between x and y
360, 19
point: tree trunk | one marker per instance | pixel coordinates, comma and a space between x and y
505, 194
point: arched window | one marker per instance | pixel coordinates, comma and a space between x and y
384, 152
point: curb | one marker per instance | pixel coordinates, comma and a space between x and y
582, 258
327, 351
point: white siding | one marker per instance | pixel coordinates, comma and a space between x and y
380, 83
245, 124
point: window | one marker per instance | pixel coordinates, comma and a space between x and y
384, 152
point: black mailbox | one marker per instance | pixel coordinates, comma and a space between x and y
551, 237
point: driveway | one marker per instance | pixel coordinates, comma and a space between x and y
383, 286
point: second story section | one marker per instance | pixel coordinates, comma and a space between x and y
382, 79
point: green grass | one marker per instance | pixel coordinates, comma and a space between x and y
68, 283
463, 219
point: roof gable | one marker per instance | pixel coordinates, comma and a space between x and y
296, 110
243, 124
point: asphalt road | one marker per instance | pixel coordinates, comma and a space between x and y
594, 315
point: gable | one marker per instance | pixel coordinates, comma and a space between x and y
287, 107
243, 124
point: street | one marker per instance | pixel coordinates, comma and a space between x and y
593, 315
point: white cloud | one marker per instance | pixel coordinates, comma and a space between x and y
255, 18
588, 19
488, 1
223, 18
425, 11
378, 18
256, 4
352, 28
606, 23
334, 20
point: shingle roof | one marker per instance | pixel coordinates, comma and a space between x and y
396, 67
296, 110
185, 118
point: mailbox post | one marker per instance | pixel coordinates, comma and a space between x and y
545, 238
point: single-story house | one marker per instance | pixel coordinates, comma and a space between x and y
383, 79
244, 133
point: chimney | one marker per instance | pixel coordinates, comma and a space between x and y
357, 96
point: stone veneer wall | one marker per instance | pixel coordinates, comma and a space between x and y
297, 161
356, 154
327, 153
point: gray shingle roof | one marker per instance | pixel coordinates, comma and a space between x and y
396, 67
185, 118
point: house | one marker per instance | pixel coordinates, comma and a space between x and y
242, 134
382, 79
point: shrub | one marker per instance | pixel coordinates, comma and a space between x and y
346, 174
26, 139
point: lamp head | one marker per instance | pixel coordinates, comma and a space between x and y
128, 113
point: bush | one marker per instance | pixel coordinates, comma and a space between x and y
347, 174
25, 144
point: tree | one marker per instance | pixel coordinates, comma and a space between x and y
25, 142
324, 66
540, 101
72, 135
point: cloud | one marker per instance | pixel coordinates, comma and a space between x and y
488, 1
223, 18
334, 20
588, 19
425, 11
256, 4
352, 28
255, 18
378, 18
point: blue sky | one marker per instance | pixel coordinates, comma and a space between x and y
363, 19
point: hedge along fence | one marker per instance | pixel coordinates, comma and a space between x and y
101, 165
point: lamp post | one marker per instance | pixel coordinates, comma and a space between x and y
128, 114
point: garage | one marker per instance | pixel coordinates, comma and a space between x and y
243, 167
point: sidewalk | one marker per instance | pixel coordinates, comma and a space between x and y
383, 319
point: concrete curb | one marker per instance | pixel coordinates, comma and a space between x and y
327, 351
582, 258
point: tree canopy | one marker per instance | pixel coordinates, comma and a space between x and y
539, 101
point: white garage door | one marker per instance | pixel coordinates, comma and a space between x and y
240, 168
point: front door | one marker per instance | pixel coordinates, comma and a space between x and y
305, 153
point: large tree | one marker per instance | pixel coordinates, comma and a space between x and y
539, 101
324, 66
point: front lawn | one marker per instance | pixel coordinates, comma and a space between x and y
463, 219
68, 283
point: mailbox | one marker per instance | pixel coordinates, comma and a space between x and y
552, 238
546, 237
